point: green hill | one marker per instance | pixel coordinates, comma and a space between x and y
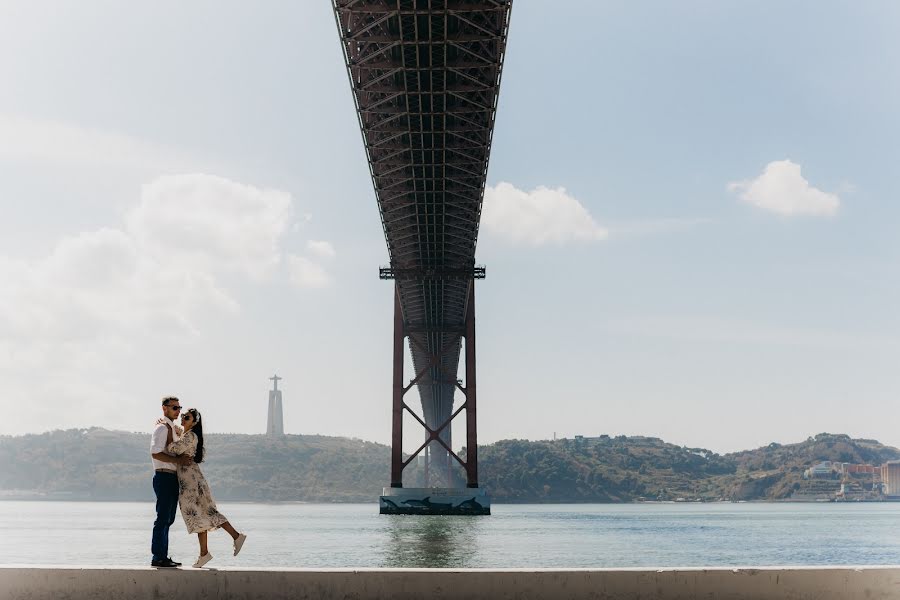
114, 465
100, 464
603, 469
776, 471
623, 469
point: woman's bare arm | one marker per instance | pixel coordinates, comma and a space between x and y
183, 460
185, 446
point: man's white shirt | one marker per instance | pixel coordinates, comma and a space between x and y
158, 444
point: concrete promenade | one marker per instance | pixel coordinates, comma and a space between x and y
765, 583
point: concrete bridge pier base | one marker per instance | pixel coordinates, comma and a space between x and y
434, 501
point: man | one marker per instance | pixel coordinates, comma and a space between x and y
165, 484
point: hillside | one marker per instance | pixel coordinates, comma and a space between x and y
113, 465
101, 464
776, 471
603, 469
623, 469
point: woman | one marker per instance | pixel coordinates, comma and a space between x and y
195, 500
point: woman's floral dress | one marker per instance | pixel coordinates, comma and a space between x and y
197, 505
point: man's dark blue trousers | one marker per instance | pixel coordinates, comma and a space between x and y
165, 485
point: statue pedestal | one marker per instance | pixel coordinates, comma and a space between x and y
434, 501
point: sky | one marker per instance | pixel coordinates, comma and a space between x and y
690, 226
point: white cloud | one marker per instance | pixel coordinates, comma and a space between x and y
783, 190
31, 139
540, 216
154, 276
211, 223
305, 273
321, 249
70, 319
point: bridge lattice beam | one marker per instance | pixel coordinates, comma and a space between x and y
425, 77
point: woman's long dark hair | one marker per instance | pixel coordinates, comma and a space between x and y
198, 431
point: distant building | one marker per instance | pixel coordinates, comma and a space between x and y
890, 478
275, 425
635, 440
823, 470
847, 468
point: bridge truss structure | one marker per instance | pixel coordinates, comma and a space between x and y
425, 77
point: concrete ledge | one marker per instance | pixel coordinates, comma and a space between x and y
767, 583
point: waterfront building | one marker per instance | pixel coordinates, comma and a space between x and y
275, 425
890, 478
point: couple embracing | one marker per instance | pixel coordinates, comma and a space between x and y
177, 452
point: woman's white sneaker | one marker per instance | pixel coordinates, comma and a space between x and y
239, 543
202, 560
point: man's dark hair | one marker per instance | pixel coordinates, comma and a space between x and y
168, 399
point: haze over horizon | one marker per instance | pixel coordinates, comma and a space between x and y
689, 229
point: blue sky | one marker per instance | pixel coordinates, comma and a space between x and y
690, 229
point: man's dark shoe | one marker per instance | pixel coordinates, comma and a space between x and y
175, 562
164, 563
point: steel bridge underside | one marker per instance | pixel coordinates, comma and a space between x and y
425, 76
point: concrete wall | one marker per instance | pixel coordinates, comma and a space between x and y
64, 583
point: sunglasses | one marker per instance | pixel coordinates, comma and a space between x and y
174, 407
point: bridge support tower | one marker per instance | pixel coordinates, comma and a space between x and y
468, 500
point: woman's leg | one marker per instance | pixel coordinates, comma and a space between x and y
201, 537
231, 531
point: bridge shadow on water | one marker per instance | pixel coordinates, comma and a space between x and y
430, 541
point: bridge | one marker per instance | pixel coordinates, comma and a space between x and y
425, 77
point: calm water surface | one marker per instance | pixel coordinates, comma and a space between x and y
355, 535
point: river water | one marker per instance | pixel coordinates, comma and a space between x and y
355, 535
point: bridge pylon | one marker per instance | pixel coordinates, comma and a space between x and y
447, 499
425, 79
